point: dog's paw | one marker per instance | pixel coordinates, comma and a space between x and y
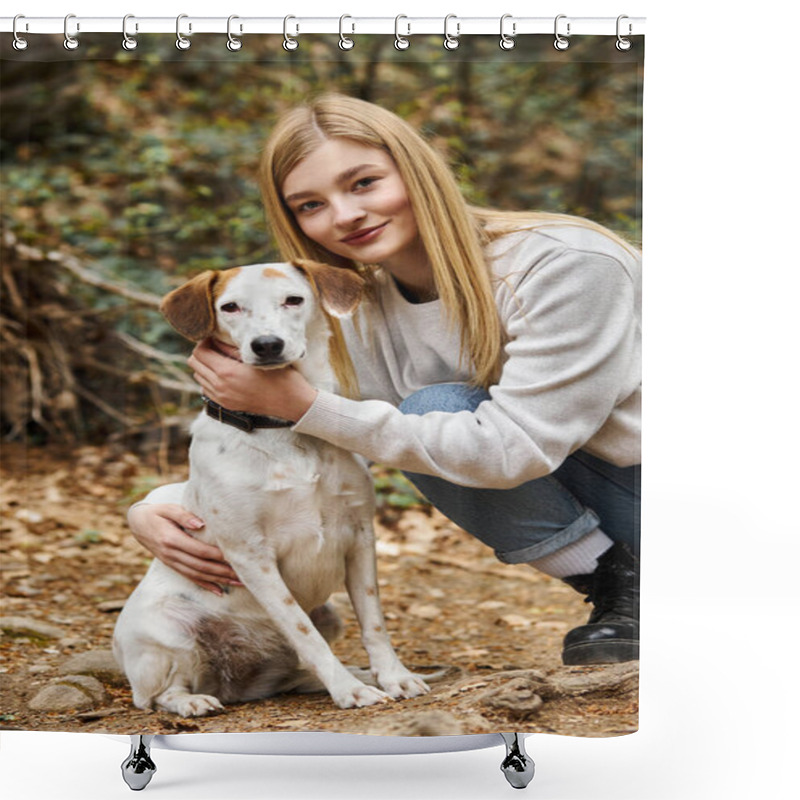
402, 684
195, 705
359, 695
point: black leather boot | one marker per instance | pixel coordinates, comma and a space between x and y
612, 632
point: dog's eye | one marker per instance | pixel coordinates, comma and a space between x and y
230, 307
294, 300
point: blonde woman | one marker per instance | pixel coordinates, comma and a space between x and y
496, 361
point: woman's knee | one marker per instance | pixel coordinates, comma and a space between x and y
448, 397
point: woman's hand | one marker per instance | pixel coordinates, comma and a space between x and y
283, 392
160, 528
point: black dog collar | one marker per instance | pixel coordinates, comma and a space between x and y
241, 419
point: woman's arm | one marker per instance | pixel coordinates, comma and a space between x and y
571, 380
161, 526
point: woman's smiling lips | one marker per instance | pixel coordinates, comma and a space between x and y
365, 235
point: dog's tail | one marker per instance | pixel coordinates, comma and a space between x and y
365, 676
441, 673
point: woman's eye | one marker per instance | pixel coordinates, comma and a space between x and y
364, 183
294, 301
230, 308
311, 205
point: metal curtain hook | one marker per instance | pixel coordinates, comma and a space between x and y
182, 43
561, 42
234, 42
401, 42
289, 43
451, 41
623, 43
19, 42
128, 42
345, 43
70, 42
507, 41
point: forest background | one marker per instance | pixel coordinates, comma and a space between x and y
124, 173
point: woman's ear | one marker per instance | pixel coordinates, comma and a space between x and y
190, 308
339, 289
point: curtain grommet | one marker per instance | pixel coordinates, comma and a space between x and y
623, 44
401, 42
19, 43
128, 42
182, 42
290, 43
451, 40
234, 43
70, 42
345, 42
507, 40
561, 42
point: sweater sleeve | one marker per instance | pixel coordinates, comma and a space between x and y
572, 328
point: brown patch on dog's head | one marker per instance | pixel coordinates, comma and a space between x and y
190, 308
339, 289
271, 272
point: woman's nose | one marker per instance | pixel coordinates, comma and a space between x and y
346, 213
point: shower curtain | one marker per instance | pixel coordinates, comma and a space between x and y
129, 169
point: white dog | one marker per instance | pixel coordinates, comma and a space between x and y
292, 514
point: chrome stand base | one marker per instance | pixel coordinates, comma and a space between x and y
518, 766
138, 768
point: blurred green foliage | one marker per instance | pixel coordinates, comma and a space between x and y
145, 161
394, 491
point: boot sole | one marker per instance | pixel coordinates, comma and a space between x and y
608, 652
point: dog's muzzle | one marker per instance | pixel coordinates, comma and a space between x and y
268, 349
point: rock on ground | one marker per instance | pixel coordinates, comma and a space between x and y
70, 693
99, 664
27, 626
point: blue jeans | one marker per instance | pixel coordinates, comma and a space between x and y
543, 515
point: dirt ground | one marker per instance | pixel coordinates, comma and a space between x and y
67, 559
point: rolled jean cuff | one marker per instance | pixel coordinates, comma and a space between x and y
583, 525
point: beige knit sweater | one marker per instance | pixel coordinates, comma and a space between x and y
569, 299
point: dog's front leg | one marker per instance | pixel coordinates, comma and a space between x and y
362, 586
262, 577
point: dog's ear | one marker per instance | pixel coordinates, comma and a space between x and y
190, 308
339, 289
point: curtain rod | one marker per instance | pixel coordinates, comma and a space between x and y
186, 25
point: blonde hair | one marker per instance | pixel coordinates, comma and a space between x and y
453, 234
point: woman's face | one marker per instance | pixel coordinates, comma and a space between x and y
350, 199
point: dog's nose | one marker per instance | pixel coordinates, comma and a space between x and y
267, 347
